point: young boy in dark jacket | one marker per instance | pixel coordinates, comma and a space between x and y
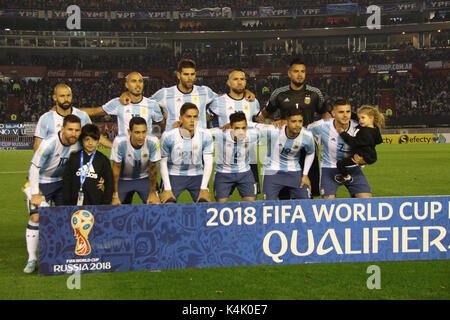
83, 172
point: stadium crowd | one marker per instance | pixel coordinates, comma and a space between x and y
229, 54
413, 94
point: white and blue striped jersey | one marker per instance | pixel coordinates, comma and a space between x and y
283, 153
51, 158
51, 122
135, 162
171, 99
225, 105
233, 156
185, 155
146, 108
334, 147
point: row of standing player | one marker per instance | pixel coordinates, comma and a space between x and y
303, 97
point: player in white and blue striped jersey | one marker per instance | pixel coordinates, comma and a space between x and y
334, 148
232, 149
234, 101
50, 123
135, 157
172, 98
136, 106
186, 158
45, 178
281, 165
222, 107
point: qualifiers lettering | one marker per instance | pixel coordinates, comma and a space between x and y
275, 243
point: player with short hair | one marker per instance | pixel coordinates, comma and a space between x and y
135, 157
334, 148
227, 104
233, 147
172, 98
46, 172
234, 101
136, 105
282, 168
298, 95
51, 122
186, 158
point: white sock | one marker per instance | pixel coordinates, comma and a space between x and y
32, 238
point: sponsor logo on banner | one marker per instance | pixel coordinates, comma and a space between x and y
82, 223
441, 138
408, 138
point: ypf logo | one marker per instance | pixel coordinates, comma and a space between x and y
403, 139
82, 222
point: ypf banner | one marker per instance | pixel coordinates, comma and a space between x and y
146, 237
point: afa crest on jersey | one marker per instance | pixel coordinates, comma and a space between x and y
307, 99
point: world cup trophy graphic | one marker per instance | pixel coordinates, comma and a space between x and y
82, 222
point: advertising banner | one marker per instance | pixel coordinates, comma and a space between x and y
392, 7
15, 129
387, 67
409, 138
130, 15
438, 4
342, 8
58, 14
158, 237
205, 13
16, 145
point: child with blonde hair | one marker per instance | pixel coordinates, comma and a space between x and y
367, 136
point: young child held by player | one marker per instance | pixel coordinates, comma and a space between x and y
367, 136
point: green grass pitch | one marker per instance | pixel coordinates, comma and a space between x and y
402, 170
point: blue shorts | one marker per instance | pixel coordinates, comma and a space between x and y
127, 188
274, 183
224, 184
329, 186
52, 192
190, 183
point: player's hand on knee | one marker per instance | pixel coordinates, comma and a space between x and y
305, 181
125, 98
153, 198
166, 195
37, 199
204, 195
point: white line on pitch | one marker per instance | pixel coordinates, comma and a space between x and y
13, 172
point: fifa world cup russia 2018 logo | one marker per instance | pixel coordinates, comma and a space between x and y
82, 222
